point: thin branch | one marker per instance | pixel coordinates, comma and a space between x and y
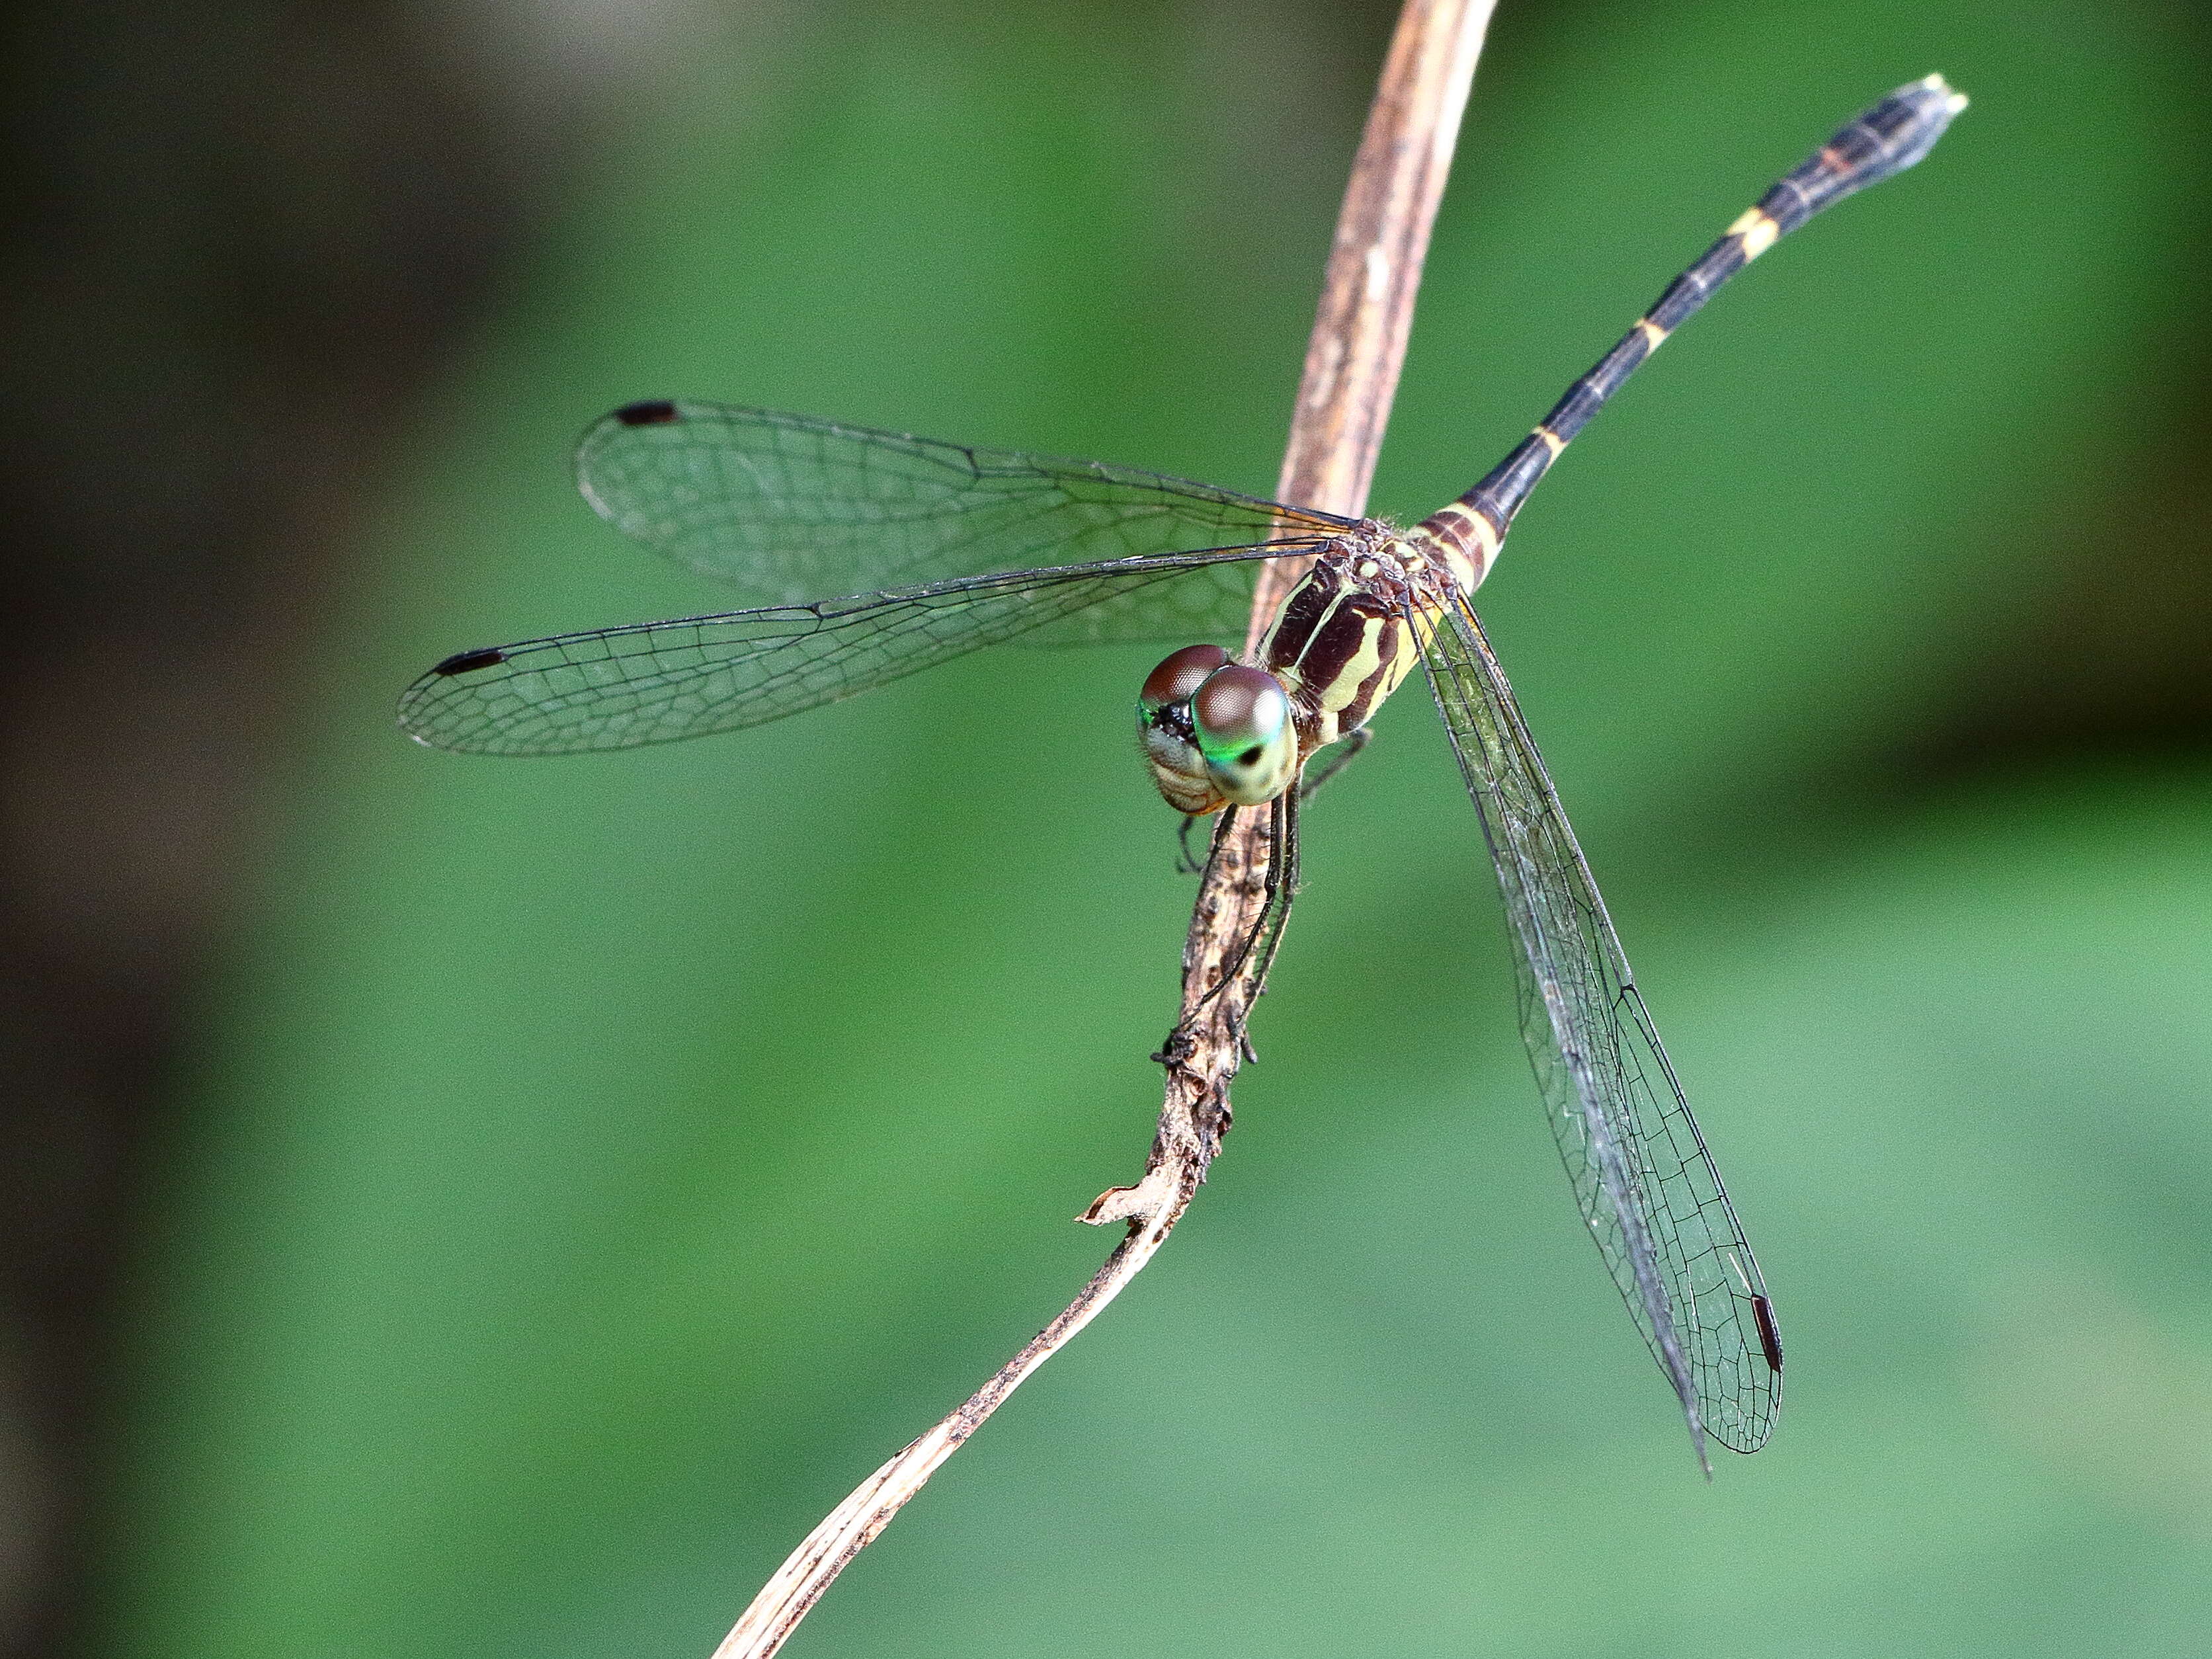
1374, 270
1350, 373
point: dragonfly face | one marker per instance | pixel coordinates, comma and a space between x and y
1215, 732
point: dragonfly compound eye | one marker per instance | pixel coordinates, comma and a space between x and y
1242, 718
1178, 677
1216, 733
1169, 739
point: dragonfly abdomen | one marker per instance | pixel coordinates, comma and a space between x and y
1883, 141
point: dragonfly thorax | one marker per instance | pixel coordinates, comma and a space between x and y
1344, 638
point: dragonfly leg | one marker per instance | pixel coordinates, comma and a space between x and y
1256, 950
1339, 754
1187, 862
1282, 884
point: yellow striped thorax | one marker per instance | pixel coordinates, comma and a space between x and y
1345, 640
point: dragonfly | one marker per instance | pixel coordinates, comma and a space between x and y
940, 550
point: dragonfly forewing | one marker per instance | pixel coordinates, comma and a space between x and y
1646, 1184
788, 508
649, 682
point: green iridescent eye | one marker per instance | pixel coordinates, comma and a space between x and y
1215, 732
1243, 719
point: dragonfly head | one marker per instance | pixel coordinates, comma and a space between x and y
1215, 732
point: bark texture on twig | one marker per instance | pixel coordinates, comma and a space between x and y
1351, 373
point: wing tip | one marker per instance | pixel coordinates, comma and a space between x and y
468, 662
651, 411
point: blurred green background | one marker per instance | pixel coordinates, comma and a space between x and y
495, 1208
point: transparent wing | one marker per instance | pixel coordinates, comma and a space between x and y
790, 508
1640, 1171
619, 688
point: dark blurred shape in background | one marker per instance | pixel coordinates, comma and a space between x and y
253, 252
243, 243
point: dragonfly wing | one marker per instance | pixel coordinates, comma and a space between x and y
1646, 1184
621, 688
788, 508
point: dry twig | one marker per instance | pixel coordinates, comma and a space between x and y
1351, 373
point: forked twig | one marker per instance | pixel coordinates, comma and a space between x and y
1350, 373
